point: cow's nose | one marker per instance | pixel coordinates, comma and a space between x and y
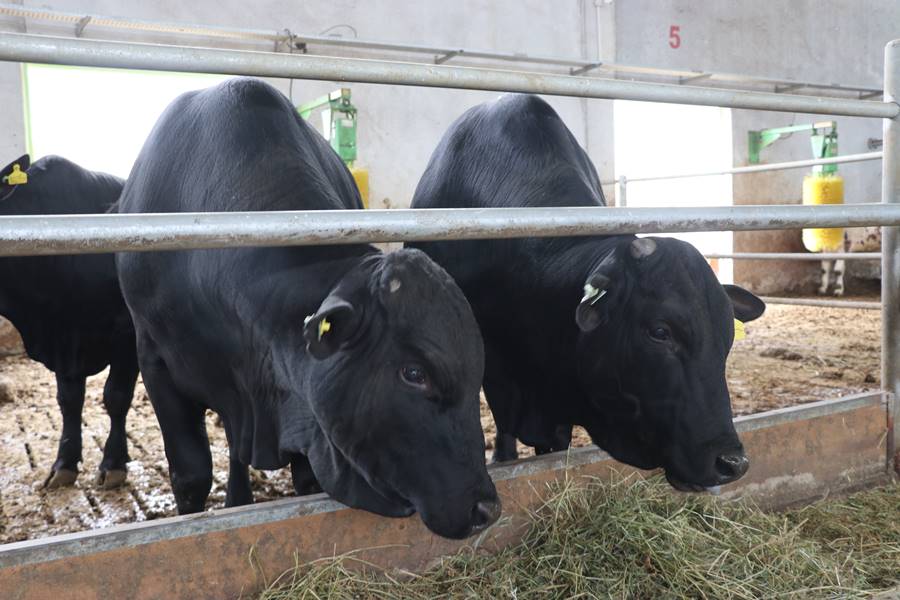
484, 514
731, 466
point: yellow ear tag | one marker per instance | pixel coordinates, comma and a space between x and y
17, 177
739, 331
324, 327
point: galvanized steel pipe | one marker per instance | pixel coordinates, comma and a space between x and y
796, 164
97, 53
75, 234
439, 53
890, 252
823, 303
811, 256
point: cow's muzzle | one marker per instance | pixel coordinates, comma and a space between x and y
731, 466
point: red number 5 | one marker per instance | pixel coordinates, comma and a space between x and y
674, 38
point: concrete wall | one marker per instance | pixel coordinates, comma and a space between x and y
835, 41
399, 126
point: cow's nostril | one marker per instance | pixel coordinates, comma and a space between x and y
485, 513
732, 466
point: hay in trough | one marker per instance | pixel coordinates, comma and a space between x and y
637, 539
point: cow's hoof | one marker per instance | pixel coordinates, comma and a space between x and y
60, 478
113, 478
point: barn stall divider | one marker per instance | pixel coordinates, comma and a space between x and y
799, 453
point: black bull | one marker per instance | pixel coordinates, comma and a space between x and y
627, 337
70, 311
360, 370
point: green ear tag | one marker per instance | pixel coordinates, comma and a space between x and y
591, 293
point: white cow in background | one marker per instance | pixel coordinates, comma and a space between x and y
857, 239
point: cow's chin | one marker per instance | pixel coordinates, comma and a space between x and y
630, 451
683, 486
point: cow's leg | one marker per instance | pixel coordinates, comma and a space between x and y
70, 397
302, 475
503, 398
839, 277
237, 492
183, 425
117, 395
504, 447
826, 276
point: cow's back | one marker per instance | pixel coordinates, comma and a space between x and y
516, 152
68, 309
211, 314
238, 146
513, 152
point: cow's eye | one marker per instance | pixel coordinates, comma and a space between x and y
660, 333
415, 376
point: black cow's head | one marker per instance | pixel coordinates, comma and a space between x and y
394, 389
656, 330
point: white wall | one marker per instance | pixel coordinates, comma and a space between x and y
831, 41
399, 126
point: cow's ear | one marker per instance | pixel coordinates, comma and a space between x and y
747, 306
333, 324
593, 310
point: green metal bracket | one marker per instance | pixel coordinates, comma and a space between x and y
757, 140
339, 122
824, 145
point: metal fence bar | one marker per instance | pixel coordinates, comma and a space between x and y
890, 244
76, 234
441, 53
829, 303
97, 20
96, 53
811, 256
797, 164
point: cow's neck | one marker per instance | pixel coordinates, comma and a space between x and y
542, 314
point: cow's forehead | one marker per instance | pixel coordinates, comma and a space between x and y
422, 302
409, 278
680, 276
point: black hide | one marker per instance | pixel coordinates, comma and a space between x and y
361, 366
626, 337
69, 309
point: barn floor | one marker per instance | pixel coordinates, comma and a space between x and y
792, 355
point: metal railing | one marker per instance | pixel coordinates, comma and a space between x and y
796, 164
438, 54
823, 302
24, 47
67, 234
807, 256
99, 233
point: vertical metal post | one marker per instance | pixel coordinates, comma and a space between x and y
890, 257
620, 192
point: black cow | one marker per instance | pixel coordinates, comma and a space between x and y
359, 369
625, 336
69, 309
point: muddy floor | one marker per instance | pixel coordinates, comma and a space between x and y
792, 355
